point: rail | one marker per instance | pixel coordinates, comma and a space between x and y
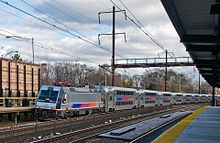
31, 131
86, 133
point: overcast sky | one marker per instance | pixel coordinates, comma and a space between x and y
71, 27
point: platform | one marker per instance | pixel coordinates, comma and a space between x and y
132, 132
201, 127
5, 110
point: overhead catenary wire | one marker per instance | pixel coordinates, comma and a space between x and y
86, 39
30, 21
127, 42
27, 54
66, 27
57, 27
138, 21
69, 15
141, 27
37, 44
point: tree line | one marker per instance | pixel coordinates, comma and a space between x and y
76, 74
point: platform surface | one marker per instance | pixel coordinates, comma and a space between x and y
204, 129
131, 132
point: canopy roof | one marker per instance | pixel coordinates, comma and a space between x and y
198, 25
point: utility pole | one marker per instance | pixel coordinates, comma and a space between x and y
166, 73
32, 45
113, 46
199, 85
213, 95
113, 40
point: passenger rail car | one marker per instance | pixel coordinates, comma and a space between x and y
119, 98
177, 98
187, 98
148, 98
204, 98
196, 98
165, 98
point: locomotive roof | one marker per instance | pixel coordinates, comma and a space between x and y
45, 87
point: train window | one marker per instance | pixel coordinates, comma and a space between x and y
124, 93
124, 103
148, 102
166, 94
48, 96
110, 98
150, 94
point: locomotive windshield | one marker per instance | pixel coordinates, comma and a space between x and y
48, 96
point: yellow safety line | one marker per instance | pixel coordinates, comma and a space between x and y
171, 135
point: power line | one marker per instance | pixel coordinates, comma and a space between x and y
43, 46
57, 27
136, 19
51, 25
67, 14
32, 22
90, 41
140, 26
66, 27
27, 54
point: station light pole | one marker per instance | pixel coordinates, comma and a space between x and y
14, 51
199, 85
27, 39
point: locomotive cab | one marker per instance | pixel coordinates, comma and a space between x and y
49, 99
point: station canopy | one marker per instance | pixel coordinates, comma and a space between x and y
198, 24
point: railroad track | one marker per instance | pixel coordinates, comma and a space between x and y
25, 133
30, 132
91, 132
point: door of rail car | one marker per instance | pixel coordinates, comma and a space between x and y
138, 97
59, 98
109, 97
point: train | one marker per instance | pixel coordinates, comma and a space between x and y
60, 101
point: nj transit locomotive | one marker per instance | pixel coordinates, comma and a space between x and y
68, 101
72, 101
